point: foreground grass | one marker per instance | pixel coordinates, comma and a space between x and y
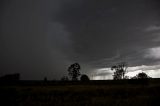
80, 95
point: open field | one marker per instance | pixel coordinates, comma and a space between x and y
92, 93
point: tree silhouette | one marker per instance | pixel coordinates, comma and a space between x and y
141, 75
141, 78
120, 71
84, 78
74, 71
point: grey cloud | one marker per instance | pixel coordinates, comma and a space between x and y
42, 38
153, 53
153, 28
26, 45
97, 31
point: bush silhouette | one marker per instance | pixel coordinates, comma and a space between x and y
142, 76
84, 78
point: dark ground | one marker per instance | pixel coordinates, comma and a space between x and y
92, 93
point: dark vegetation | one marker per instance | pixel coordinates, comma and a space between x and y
120, 70
11, 77
141, 75
79, 90
78, 93
84, 78
74, 71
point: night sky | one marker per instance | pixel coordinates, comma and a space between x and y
42, 38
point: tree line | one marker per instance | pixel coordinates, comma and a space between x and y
121, 69
119, 73
74, 73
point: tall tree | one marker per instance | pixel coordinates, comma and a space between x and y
74, 71
120, 70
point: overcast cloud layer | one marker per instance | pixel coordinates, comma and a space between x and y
43, 37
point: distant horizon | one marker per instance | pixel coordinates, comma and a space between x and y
100, 73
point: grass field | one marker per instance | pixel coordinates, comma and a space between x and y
93, 93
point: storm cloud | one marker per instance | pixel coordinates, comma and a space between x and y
101, 28
43, 37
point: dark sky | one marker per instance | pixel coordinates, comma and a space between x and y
43, 37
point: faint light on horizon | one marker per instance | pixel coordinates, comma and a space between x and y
132, 74
107, 73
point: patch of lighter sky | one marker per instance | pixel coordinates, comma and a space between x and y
153, 53
106, 73
134, 73
107, 77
